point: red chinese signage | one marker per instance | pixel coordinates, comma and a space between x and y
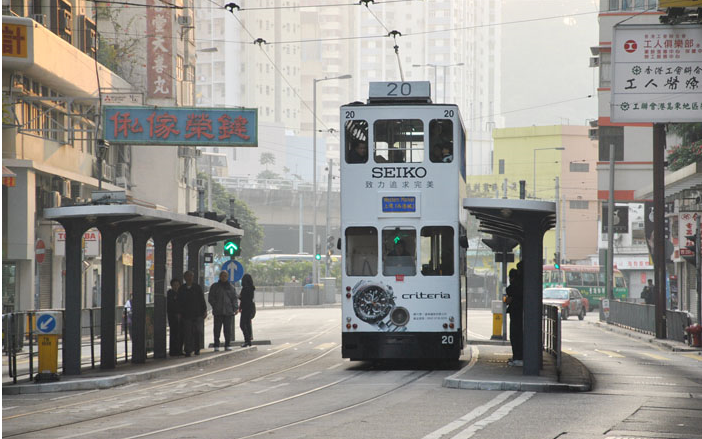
159, 49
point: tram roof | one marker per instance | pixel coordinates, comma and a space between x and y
124, 215
506, 218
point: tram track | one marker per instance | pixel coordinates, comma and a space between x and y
151, 389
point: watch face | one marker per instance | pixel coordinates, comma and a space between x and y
372, 303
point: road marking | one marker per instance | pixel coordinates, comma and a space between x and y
309, 375
334, 366
468, 417
693, 356
571, 351
610, 353
87, 433
657, 357
496, 416
325, 346
199, 407
271, 388
475, 334
275, 380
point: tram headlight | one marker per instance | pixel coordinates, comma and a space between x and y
399, 316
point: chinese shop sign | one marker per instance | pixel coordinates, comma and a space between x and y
657, 73
181, 126
14, 40
159, 50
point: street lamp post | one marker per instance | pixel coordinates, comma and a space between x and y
533, 181
315, 263
435, 67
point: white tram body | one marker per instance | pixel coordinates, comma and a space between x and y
402, 226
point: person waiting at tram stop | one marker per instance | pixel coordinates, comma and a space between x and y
224, 303
193, 310
515, 308
248, 308
174, 320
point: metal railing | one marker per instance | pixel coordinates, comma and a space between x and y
552, 333
642, 318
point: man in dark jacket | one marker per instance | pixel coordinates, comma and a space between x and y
193, 310
515, 308
176, 339
224, 303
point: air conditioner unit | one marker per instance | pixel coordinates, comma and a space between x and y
122, 170
122, 182
185, 20
595, 61
41, 19
186, 152
108, 173
51, 199
592, 133
62, 186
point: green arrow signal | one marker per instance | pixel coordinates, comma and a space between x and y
231, 247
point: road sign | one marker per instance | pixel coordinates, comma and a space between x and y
605, 307
48, 323
39, 251
234, 269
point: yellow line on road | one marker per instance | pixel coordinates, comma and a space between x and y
657, 357
693, 356
571, 352
610, 353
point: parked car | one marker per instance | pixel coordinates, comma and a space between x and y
569, 299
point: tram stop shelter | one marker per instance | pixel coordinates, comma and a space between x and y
524, 221
143, 223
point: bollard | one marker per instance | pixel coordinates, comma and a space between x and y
48, 328
497, 317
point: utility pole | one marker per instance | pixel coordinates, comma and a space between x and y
658, 220
329, 185
558, 221
302, 226
610, 226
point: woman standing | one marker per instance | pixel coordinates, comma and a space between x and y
246, 305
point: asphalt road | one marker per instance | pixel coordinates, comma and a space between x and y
299, 387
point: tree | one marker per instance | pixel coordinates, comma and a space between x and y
267, 158
252, 242
690, 150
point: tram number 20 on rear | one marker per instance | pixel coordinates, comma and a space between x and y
447, 339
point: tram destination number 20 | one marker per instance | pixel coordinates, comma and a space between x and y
447, 339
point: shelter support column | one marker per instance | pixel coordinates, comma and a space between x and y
177, 257
532, 255
139, 240
160, 286
108, 300
74, 273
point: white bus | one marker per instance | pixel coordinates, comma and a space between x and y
403, 231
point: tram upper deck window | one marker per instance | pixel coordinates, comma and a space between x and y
356, 141
399, 255
441, 140
361, 251
436, 244
399, 141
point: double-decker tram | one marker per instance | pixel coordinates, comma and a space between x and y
403, 231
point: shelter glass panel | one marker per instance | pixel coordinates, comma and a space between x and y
361, 251
436, 246
399, 141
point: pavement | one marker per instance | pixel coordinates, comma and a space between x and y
487, 369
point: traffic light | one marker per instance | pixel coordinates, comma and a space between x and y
232, 247
330, 242
317, 253
557, 261
691, 246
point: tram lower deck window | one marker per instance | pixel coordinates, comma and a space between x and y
361, 251
399, 251
436, 244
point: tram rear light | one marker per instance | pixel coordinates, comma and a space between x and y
355, 326
348, 326
348, 288
445, 325
348, 295
451, 325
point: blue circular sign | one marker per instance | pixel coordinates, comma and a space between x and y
46, 323
235, 270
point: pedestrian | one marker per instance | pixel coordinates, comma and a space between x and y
648, 293
174, 323
193, 310
248, 308
127, 317
223, 299
515, 307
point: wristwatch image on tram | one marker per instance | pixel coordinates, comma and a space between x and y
374, 303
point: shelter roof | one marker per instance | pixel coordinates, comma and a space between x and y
507, 218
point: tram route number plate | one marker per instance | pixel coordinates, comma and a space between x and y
399, 90
399, 204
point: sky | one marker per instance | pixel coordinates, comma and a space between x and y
545, 62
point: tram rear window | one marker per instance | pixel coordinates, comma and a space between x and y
399, 141
356, 141
436, 244
441, 141
361, 251
399, 251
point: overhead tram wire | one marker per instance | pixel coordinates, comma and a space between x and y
394, 34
